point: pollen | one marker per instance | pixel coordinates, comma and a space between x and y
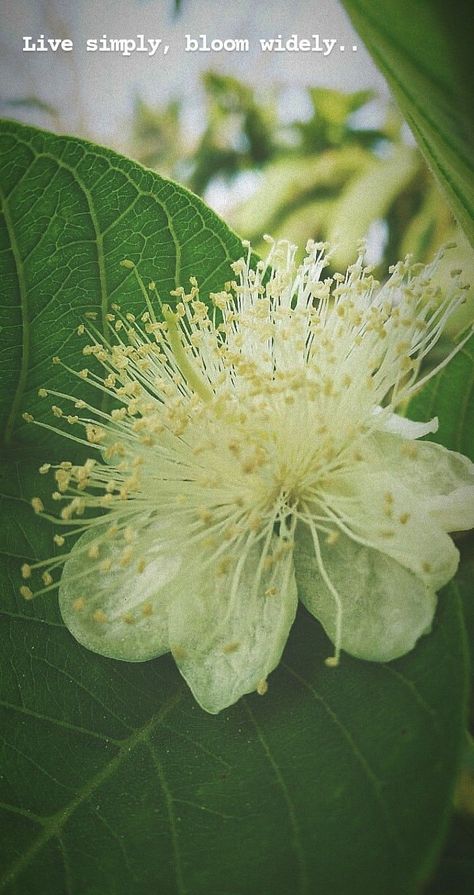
231, 647
99, 616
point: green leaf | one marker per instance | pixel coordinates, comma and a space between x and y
70, 213
450, 397
424, 51
455, 871
367, 197
113, 780
289, 183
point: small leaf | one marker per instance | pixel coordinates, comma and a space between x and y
367, 197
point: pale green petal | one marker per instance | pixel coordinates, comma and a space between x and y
380, 512
385, 607
228, 630
121, 613
455, 511
408, 429
443, 480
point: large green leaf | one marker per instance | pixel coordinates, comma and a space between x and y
70, 213
424, 51
113, 780
450, 397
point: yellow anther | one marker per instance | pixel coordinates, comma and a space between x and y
271, 592
99, 616
26, 592
230, 647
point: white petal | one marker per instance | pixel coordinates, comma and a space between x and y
443, 479
409, 429
385, 608
121, 613
380, 512
228, 631
455, 511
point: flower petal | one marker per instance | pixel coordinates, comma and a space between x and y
445, 479
121, 613
385, 607
405, 428
228, 632
377, 510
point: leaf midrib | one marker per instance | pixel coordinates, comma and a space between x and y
25, 329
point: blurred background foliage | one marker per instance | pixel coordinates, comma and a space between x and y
328, 176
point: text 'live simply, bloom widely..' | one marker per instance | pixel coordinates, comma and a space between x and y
202, 43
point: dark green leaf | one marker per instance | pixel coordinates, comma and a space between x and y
450, 397
424, 51
70, 212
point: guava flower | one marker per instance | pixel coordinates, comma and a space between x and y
249, 453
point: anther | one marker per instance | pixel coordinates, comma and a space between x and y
99, 616
26, 592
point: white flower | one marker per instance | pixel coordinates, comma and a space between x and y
252, 454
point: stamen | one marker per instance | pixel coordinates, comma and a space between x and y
231, 431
